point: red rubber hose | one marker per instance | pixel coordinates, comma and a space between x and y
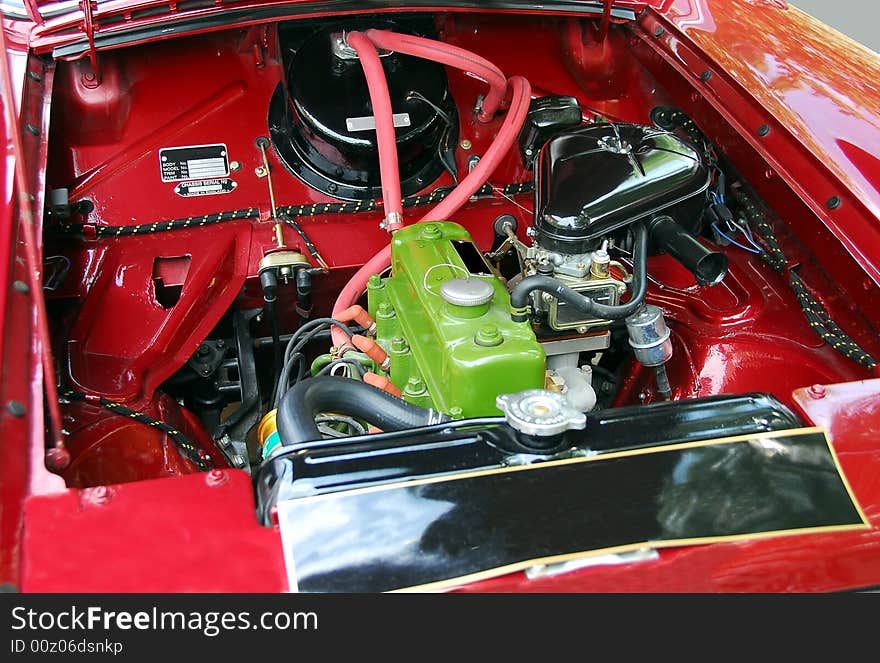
519, 106
521, 93
386, 138
452, 56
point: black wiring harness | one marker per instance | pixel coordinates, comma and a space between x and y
294, 356
92, 231
816, 314
186, 447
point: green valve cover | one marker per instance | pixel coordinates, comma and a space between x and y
444, 319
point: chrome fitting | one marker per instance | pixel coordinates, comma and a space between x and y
649, 336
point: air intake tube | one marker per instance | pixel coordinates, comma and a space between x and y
519, 296
300, 405
709, 267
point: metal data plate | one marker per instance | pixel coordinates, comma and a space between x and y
368, 122
193, 162
437, 532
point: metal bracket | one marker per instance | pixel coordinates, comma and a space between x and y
90, 79
231, 435
33, 11
341, 49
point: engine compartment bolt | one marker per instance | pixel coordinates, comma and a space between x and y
816, 391
465, 144
235, 166
260, 171
16, 408
385, 310
216, 478
97, 495
415, 387
488, 336
399, 344
431, 231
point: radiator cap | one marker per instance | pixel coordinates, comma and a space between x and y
540, 412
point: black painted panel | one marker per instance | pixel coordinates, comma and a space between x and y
420, 532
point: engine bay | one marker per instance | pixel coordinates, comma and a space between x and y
217, 203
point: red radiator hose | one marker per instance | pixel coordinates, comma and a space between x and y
451, 56
521, 96
386, 138
519, 107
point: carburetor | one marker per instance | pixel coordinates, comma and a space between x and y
592, 274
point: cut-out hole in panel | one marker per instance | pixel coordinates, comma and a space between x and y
169, 275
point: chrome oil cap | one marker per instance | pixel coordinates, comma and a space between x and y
467, 292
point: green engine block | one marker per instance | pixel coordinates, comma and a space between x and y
444, 354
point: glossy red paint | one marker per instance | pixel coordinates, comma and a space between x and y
22, 470
730, 115
109, 355
746, 334
739, 336
152, 536
109, 449
813, 88
850, 411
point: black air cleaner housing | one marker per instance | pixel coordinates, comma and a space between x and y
322, 125
592, 181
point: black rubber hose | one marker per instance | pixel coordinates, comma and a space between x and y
519, 297
708, 267
323, 393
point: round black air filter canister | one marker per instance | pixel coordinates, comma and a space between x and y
322, 124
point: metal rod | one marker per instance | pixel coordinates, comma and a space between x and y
279, 227
663, 382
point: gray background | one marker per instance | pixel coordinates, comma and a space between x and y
859, 19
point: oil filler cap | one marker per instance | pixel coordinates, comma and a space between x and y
540, 412
467, 292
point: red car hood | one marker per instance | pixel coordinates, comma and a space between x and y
59, 22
